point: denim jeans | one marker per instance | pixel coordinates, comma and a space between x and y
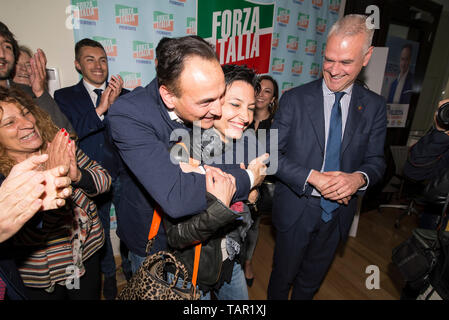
135, 261
236, 289
171, 276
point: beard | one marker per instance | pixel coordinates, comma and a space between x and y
4, 75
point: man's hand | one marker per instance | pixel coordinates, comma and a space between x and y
318, 180
109, 95
258, 168
24, 192
105, 101
116, 84
38, 73
220, 184
341, 185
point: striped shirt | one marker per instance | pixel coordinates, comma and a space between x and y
67, 236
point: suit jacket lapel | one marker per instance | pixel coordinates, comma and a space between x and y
87, 101
356, 109
314, 104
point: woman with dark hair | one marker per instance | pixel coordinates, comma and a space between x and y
56, 250
221, 232
267, 102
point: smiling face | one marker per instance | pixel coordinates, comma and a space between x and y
266, 94
7, 59
237, 111
344, 57
22, 75
202, 88
93, 65
19, 135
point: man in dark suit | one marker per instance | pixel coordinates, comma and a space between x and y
9, 54
86, 105
331, 139
401, 87
189, 88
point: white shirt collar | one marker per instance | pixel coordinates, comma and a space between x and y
90, 88
327, 91
173, 116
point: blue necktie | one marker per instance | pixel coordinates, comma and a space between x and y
332, 161
98, 92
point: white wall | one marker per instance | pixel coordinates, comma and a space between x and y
41, 24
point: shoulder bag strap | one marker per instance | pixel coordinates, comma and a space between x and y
155, 223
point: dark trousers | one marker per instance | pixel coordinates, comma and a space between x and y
107, 261
89, 285
104, 202
303, 254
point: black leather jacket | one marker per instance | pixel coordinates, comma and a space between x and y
208, 227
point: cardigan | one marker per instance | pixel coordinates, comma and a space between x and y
62, 239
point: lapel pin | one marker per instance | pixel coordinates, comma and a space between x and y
359, 108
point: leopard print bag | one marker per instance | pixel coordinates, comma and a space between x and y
149, 282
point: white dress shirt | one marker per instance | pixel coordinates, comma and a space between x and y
329, 99
93, 96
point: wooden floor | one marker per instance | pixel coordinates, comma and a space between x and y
376, 237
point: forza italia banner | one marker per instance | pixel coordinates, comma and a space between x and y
241, 31
283, 38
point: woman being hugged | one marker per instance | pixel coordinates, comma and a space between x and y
223, 226
56, 250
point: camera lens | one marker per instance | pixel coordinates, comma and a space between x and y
443, 116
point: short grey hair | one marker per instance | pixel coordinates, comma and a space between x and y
351, 25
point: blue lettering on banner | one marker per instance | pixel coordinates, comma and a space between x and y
91, 23
127, 28
111, 59
164, 33
143, 61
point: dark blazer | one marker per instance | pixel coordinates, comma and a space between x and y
77, 105
300, 125
143, 132
15, 289
406, 90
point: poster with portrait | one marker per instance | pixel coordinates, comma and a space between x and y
398, 80
400, 69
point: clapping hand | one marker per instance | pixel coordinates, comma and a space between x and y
37, 70
26, 191
62, 151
